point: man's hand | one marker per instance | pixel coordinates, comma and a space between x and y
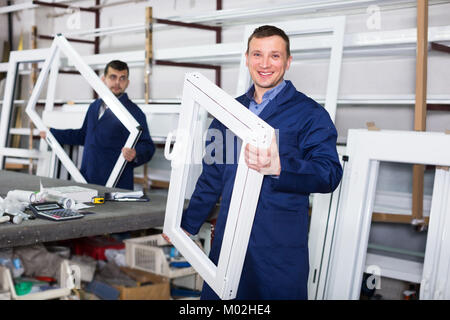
265, 161
43, 134
129, 154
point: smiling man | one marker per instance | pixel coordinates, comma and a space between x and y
304, 161
267, 59
103, 135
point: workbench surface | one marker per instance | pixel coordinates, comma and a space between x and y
110, 217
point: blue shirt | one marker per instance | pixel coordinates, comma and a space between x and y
267, 97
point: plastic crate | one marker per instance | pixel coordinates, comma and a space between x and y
147, 254
66, 282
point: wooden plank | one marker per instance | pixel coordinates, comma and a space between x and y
148, 51
160, 184
15, 166
420, 111
421, 66
33, 79
394, 218
148, 71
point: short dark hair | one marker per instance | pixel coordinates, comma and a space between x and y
117, 65
268, 31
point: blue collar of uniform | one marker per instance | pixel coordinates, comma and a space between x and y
122, 98
268, 95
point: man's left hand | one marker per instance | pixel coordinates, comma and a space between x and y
129, 154
265, 161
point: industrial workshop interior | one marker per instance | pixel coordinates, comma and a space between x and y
225, 150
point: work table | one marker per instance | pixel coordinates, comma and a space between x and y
110, 217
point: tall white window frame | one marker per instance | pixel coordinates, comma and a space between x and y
15, 59
320, 237
61, 45
365, 150
199, 91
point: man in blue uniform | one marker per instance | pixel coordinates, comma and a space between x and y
103, 135
304, 161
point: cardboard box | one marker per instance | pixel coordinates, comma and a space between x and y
157, 291
150, 286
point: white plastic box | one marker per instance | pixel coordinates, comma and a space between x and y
66, 281
147, 254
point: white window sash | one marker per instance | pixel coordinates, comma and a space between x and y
200, 92
435, 282
15, 59
365, 150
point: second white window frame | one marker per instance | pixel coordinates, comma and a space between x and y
365, 150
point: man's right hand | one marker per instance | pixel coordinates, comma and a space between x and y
43, 134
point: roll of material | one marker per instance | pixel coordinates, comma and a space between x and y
16, 219
21, 195
4, 219
65, 202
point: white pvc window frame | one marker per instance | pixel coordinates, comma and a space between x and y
61, 45
320, 236
15, 59
365, 150
199, 92
435, 282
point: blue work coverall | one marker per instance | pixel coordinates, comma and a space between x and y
276, 265
103, 140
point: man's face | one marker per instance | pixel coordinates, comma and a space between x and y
267, 61
116, 80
